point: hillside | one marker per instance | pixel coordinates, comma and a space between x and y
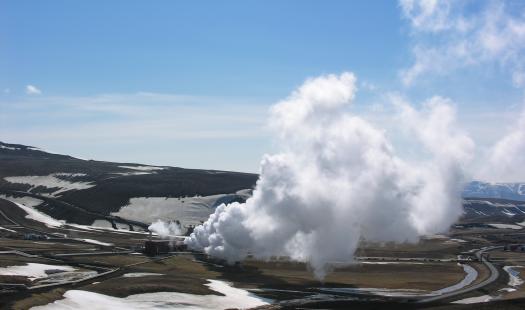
81, 191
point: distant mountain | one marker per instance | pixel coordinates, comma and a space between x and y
510, 191
83, 191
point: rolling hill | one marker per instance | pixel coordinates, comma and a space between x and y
83, 191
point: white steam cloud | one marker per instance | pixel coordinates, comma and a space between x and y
338, 180
165, 229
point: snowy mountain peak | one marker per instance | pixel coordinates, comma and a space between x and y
511, 191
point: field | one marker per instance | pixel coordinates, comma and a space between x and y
110, 262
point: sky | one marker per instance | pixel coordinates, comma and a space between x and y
190, 83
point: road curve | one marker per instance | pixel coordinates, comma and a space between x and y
494, 274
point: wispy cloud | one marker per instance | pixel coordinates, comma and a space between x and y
32, 90
152, 127
427, 15
450, 35
134, 114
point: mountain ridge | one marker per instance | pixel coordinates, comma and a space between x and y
102, 187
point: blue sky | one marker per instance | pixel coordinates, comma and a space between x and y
188, 83
231, 48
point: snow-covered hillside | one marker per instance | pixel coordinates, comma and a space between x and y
511, 191
188, 210
84, 191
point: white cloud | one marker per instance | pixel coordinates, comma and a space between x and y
429, 15
137, 116
449, 35
33, 90
155, 128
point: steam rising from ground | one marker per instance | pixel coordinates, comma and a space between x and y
338, 180
165, 229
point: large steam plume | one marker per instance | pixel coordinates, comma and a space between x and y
338, 180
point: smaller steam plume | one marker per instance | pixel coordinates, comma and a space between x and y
166, 229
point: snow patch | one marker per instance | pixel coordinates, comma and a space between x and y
233, 298
32, 270
93, 241
141, 274
25, 200
507, 290
102, 224
11, 148
474, 300
435, 236
514, 279
521, 189
71, 175
131, 173
392, 263
10, 230
508, 213
188, 210
506, 226
61, 277
143, 168
101, 228
50, 181
36, 215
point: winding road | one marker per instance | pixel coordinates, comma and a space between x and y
494, 274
